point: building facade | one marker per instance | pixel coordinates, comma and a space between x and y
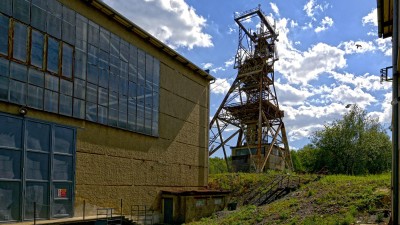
93, 109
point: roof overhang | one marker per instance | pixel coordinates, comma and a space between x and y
385, 18
114, 15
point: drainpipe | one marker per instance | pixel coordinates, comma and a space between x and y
395, 134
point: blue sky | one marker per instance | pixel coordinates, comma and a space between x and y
320, 69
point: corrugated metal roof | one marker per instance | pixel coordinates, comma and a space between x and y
385, 18
111, 13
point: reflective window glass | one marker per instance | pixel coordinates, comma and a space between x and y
113, 100
132, 122
62, 166
20, 41
103, 115
4, 67
38, 136
123, 120
4, 83
93, 33
51, 101
65, 105
39, 15
91, 111
4, 27
53, 25
156, 72
6, 7
63, 140
37, 192
52, 55
17, 92
18, 71
93, 74
114, 82
66, 87
37, 47
52, 82
149, 68
79, 108
35, 97
114, 45
80, 65
10, 167
21, 10
124, 70
132, 105
36, 77
123, 104
124, 51
68, 26
37, 166
91, 93
123, 86
79, 89
92, 54
103, 78
113, 117
141, 66
55, 8
103, 96
67, 52
10, 200
104, 39
10, 132
62, 205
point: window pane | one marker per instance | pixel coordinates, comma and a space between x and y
10, 167
68, 32
51, 101
123, 86
79, 89
17, 92
103, 78
4, 83
132, 122
35, 97
65, 105
4, 67
67, 61
124, 70
79, 108
37, 193
53, 25
80, 64
149, 68
10, 132
141, 66
38, 136
93, 33
91, 93
52, 82
52, 55
81, 33
114, 45
62, 166
38, 19
18, 71
156, 72
37, 166
114, 82
124, 51
10, 200
103, 96
68, 15
113, 117
113, 100
20, 41
91, 111
66, 87
132, 106
4, 26
21, 10
36, 77
93, 74
37, 49
62, 203
92, 54
5, 7
103, 115
104, 39
123, 120
63, 140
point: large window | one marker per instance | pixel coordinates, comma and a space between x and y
47, 154
53, 59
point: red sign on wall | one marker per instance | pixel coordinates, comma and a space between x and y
62, 193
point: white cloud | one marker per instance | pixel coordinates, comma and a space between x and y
384, 45
207, 65
351, 47
311, 8
274, 8
289, 95
371, 18
367, 81
347, 95
384, 116
324, 25
215, 70
172, 21
301, 67
230, 62
293, 24
220, 86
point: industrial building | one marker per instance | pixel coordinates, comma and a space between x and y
94, 111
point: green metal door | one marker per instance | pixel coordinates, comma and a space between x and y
168, 211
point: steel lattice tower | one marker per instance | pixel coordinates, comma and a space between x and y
250, 110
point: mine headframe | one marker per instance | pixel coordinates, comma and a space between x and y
249, 115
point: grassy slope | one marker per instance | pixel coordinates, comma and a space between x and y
331, 200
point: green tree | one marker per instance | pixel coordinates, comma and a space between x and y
217, 165
355, 144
